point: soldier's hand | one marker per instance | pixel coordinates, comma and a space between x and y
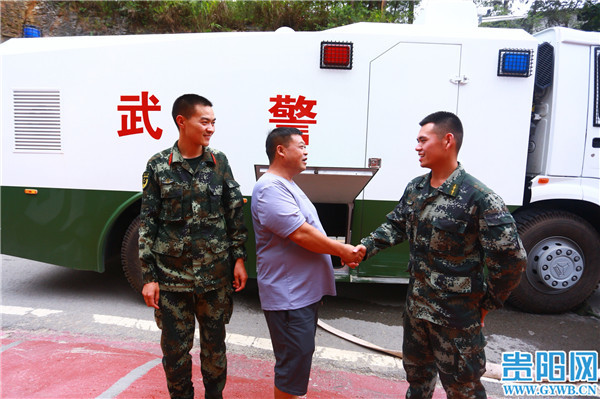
151, 293
239, 275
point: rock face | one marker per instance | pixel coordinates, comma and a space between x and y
56, 19
13, 16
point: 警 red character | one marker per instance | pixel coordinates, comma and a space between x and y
293, 112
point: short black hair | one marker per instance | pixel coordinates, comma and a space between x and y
279, 136
185, 105
445, 122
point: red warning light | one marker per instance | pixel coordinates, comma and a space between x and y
336, 55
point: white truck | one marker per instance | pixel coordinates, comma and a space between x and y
80, 116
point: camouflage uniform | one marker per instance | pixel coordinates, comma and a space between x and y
191, 233
453, 231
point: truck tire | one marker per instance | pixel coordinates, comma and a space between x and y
130, 259
563, 261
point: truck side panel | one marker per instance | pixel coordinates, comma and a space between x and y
58, 226
115, 95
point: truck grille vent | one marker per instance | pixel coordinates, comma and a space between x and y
545, 66
37, 121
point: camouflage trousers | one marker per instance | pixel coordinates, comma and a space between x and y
456, 355
175, 318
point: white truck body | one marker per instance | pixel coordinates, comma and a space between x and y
400, 74
72, 164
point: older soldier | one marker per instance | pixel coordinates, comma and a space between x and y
455, 225
192, 239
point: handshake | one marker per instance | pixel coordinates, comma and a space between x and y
352, 255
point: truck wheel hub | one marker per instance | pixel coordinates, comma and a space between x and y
555, 264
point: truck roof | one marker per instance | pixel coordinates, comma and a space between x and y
572, 36
429, 32
378, 28
25, 45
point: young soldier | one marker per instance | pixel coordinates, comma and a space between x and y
192, 239
455, 226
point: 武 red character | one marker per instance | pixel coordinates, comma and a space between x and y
129, 122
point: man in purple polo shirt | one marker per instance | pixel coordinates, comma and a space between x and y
294, 269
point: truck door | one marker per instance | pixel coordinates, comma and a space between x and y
407, 83
591, 163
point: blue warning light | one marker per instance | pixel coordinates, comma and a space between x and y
515, 63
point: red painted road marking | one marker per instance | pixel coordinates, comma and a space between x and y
48, 369
58, 365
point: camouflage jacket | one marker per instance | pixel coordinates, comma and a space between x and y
192, 227
453, 231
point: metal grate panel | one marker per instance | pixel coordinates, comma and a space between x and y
37, 121
544, 71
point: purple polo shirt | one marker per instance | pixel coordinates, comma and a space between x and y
289, 276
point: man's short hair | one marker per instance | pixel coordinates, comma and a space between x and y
279, 136
445, 122
185, 105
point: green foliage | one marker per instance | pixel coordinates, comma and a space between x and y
174, 16
578, 14
343, 13
212, 16
271, 15
590, 15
